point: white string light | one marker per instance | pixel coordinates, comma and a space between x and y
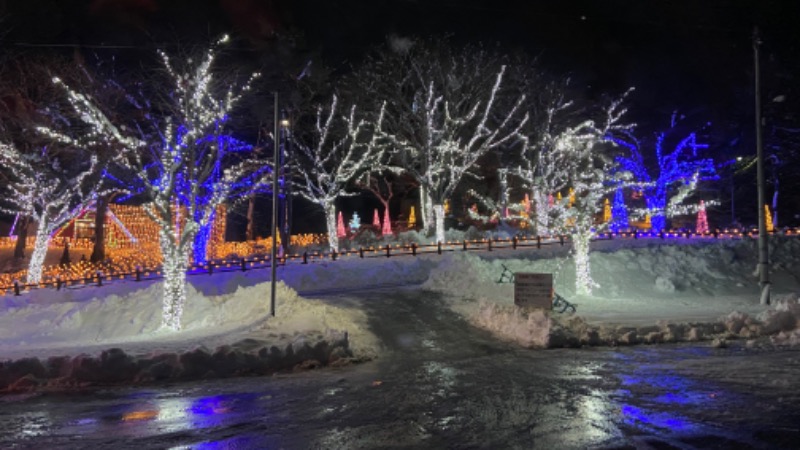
184, 182
329, 164
47, 190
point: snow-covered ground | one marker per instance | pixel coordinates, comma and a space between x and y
649, 291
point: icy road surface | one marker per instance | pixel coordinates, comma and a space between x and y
443, 384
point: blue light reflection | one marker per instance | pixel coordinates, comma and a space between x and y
638, 417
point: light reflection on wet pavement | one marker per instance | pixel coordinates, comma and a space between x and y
442, 384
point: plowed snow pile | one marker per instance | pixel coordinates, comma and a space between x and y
111, 334
648, 291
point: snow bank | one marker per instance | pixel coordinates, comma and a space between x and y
527, 328
112, 334
114, 365
113, 318
649, 292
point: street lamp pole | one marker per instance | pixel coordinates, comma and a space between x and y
283, 200
763, 247
273, 261
286, 157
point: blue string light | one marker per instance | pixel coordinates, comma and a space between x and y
676, 168
619, 213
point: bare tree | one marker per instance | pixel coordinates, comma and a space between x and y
442, 114
48, 185
340, 149
48, 182
574, 157
678, 165
176, 157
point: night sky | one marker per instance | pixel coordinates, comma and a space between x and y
679, 54
690, 55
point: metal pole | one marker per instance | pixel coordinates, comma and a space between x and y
763, 247
275, 171
281, 176
286, 154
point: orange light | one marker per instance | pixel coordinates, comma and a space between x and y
139, 415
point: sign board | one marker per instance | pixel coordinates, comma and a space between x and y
533, 290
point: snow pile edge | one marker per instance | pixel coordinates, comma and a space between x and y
114, 366
537, 328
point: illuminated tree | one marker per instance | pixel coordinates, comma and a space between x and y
577, 159
175, 158
340, 230
383, 185
768, 219
376, 220
229, 149
387, 223
677, 176
702, 219
355, 223
540, 165
606, 211
442, 114
588, 170
339, 150
49, 186
619, 212
44, 181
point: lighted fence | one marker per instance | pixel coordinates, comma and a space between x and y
86, 274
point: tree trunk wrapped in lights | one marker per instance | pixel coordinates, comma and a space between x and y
583, 269
39, 252
333, 226
770, 227
180, 158
438, 214
426, 213
176, 261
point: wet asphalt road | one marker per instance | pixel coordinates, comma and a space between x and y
443, 384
